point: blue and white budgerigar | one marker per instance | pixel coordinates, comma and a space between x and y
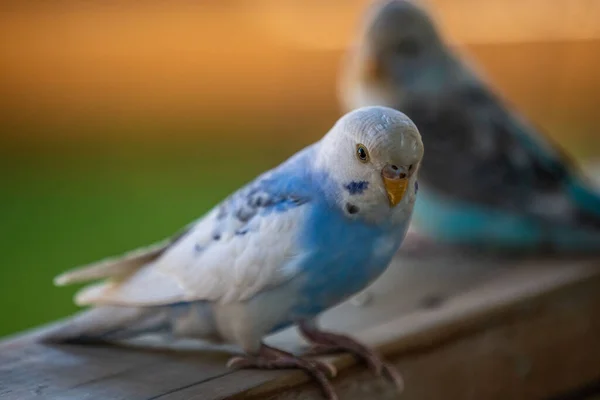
296, 241
489, 179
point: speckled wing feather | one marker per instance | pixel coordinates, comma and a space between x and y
244, 245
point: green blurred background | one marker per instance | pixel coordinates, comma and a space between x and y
121, 122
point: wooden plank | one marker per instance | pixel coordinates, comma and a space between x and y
494, 314
533, 351
481, 304
99, 371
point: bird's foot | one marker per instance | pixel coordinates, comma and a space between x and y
272, 358
329, 343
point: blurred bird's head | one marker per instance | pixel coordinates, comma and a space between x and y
371, 157
398, 48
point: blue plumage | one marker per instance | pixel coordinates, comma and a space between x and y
584, 195
337, 264
342, 264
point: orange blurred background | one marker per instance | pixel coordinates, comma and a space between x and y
271, 63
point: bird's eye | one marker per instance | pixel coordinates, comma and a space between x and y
407, 48
362, 153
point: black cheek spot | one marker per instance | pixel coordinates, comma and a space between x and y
351, 208
216, 236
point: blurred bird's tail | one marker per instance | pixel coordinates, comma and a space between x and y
587, 197
107, 323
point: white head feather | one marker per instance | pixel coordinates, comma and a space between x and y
391, 140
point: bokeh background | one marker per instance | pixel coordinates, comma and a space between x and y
121, 121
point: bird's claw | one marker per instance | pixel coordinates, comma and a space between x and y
318, 370
390, 373
327, 343
241, 362
373, 361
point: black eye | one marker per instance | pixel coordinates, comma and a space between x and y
407, 48
362, 153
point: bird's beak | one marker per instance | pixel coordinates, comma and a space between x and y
395, 180
371, 69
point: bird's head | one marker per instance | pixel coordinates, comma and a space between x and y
398, 47
371, 157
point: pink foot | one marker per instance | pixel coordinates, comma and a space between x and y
327, 343
272, 358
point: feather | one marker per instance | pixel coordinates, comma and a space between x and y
119, 266
103, 324
113, 267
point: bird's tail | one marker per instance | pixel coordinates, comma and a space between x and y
107, 323
586, 196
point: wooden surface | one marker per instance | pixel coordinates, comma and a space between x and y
456, 326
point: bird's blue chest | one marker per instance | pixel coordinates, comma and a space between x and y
346, 256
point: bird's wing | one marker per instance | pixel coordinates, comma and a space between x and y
246, 244
121, 266
560, 192
497, 158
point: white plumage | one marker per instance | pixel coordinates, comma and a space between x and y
198, 267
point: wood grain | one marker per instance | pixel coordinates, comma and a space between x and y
498, 329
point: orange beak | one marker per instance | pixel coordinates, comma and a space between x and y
395, 180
